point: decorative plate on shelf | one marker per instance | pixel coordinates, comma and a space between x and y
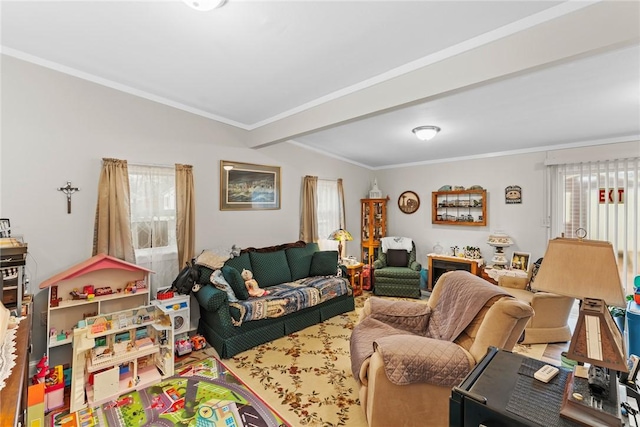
408, 202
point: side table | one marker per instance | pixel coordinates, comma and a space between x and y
355, 277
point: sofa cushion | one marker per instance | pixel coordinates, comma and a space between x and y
240, 262
235, 280
270, 268
299, 260
397, 258
324, 263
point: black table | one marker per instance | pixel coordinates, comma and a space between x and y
501, 391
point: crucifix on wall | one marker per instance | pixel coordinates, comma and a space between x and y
68, 190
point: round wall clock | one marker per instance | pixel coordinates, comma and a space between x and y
408, 202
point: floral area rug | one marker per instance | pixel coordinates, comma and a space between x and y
306, 376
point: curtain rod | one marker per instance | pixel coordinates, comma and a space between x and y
155, 165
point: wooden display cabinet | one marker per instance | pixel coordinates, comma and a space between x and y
112, 281
464, 207
120, 352
13, 254
373, 227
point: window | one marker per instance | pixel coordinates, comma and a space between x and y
328, 207
153, 221
602, 198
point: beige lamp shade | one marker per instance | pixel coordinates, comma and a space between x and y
581, 268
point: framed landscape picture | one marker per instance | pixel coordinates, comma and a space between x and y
245, 186
520, 261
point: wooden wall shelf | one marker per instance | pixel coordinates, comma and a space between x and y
465, 207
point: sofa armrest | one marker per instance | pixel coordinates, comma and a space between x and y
551, 310
513, 282
412, 359
211, 298
379, 264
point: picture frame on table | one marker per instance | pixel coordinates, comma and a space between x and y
5, 227
520, 261
247, 186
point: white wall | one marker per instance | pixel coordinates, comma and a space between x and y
523, 222
57, 128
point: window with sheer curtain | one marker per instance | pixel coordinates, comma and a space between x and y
153, 221
602, 198
328, 212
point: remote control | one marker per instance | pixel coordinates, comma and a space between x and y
546, 373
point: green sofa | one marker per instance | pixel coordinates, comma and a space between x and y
296, 276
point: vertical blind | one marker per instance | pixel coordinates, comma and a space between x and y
602, 198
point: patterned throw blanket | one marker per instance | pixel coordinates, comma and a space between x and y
289, 297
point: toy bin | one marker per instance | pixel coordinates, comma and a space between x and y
54, 396
632, 329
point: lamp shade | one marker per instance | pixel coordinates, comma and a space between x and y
341, 235
581, 268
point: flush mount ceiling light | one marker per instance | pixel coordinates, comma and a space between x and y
425, 133
204, 5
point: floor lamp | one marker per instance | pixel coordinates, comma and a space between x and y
587, 270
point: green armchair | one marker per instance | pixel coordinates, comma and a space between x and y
397, 273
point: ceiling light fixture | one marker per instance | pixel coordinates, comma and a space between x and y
425, 133
204, 5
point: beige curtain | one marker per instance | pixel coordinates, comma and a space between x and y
309, 217
185, 214
341, 200
112, 232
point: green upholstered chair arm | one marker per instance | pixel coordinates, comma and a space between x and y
379, 264
211, 298
415, 266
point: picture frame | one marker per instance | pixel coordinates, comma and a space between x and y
520, 261
5, 227
248, 186
408, 202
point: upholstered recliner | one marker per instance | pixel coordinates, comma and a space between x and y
396, 272
406, 374
551, 321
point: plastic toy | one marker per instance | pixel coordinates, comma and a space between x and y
183, 346
198, 342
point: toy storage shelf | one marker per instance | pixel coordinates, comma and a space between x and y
64, 312
118, 352
464, 207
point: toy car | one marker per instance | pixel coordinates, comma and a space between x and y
198, 342
183, 346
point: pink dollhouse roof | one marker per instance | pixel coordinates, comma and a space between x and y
97, 262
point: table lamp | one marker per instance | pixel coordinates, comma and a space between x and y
341, 235
499, 241
587, 270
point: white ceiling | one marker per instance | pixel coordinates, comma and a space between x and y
344, 77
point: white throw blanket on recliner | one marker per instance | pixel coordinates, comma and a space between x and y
396, 243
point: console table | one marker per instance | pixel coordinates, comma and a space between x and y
440, 264
14, 394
